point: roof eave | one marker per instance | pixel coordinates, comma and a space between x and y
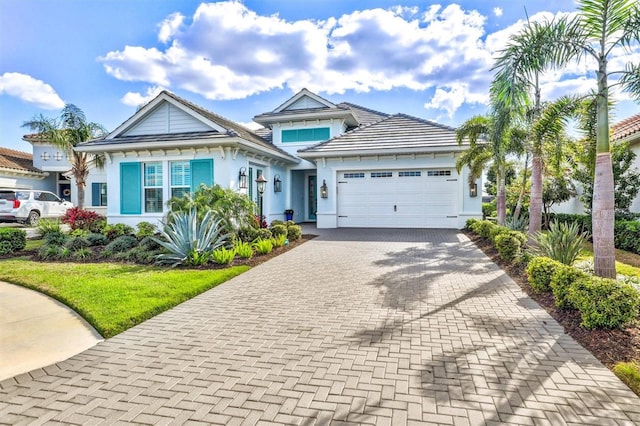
374, 152
266, 119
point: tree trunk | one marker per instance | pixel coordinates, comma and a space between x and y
502, 196
80, 188
535, 204
603, 218
523, 189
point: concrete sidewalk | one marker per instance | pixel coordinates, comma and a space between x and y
37, 331
354, 327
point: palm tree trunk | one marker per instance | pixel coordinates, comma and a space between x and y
80, 188
502, 196
523, 188
535, 204
603, 208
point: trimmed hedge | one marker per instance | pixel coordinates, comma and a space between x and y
561, 283
12, 240
604, 303
627, 236
540, 271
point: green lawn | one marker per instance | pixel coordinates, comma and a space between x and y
114, 297
627, 263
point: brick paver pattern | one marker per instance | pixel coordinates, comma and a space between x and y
385, 327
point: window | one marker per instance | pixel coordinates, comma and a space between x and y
98, 194
306, 135
153, 187
180, 178
439, 173
381, 174
410, 174
354, 175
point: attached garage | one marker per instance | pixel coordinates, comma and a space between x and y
416, 198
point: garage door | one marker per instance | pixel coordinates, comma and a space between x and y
398, 198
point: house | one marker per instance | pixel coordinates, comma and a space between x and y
55, 163
17, 170
340, 165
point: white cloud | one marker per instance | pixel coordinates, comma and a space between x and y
30, 90
137, 99
227, 51
497, 11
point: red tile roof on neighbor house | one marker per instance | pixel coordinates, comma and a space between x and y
627, 127
17, 160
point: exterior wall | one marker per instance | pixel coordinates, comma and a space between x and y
167, 118
470, 207
336, 128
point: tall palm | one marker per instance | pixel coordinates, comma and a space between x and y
598, 30
67, 132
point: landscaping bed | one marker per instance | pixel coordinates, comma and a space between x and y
608, 346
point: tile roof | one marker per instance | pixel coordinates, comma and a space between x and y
626, 128
394, 134
17, 160
364, 115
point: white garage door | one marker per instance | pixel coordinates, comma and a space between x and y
424, 198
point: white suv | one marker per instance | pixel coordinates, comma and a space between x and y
28, 206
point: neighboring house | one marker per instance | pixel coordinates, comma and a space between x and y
627, 130
18, 171
340, 165
50, 159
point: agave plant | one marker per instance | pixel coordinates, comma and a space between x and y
187, 238
562, 243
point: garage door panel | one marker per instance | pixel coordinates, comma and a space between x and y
415, 199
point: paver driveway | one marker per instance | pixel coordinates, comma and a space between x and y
358, 326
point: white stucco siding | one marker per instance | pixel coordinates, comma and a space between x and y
167, 118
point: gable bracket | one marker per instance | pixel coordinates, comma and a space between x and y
221, 152
235, 153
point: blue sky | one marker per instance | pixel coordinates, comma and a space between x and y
239, 59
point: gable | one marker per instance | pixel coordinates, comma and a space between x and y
166, 118
305, 103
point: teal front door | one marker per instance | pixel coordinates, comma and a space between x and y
312, 206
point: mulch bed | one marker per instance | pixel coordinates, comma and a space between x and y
609, 346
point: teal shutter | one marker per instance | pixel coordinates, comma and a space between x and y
130, 188
201, 173
95, 194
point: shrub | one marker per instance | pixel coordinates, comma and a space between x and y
197, 258
279, 241
539, 271
150, 244
5, 248
145, 229
563, 242
294, 232
248, 234
76, 243
55, 238
264, 234
222, 256
583, 221
627, 236
520, 224
278, 222
46, 226
97, 239
65, 253
489, 210
186, 237
78, 218
509, 246
484, 228
48, 252
604, 303
117, 230
468, 225
244, 249
279, 229
561, 283
141, 255
263, 246
121, 244
82, 254
16, 238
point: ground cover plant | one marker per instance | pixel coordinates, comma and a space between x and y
114, 297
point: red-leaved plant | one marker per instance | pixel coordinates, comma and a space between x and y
87, 220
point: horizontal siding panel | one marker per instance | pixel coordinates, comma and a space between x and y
181, 122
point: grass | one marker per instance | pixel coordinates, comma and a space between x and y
114, 297
627, 263
629, 373
34, 244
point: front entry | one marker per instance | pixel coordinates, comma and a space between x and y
312, 199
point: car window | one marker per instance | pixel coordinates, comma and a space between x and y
20, 195
46, 196
7, 195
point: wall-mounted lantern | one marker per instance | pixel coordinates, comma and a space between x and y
473, 190
324, 191
277, 184
242, 178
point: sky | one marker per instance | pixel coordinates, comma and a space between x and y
239, 59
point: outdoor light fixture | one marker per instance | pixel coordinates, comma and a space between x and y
277, 184
261, 181
45, 156
57, 156
324, 191
473, 190
242, 178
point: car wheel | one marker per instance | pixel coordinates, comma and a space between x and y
32, 219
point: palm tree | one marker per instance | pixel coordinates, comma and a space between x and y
65, 134
599, 28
